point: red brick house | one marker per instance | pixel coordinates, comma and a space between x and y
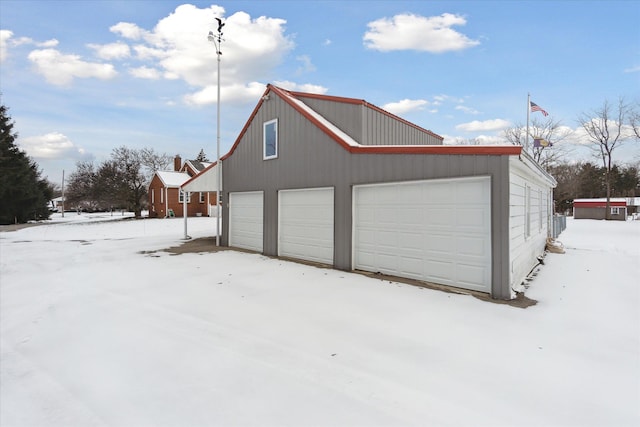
166, 197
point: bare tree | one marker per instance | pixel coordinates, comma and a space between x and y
153, 161
605, 127
634, 120
549, 130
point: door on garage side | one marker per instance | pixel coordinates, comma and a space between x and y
305, 224
246, 220
437, 231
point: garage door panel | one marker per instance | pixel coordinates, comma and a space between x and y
246, 220
305, 224
437, 229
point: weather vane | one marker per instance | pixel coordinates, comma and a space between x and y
217, 38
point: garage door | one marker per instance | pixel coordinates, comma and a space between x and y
437, 231
245, 220
305, 224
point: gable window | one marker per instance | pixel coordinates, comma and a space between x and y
270, 140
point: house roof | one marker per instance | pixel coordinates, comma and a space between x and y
172, 179
196, 165
352, 146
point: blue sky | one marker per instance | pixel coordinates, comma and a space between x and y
83, 77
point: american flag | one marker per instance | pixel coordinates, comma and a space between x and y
535, 107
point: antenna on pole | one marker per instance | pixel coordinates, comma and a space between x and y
217, 41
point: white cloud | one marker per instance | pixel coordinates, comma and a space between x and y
306, 65
635, 69
296, 87
467, 110
7, 40
237, 93
128, 30
5, 35
405, 106
145, 73
177, 47
483, 126
53, 145
48, 43
111, 51
145, 52
60, 69
413, 32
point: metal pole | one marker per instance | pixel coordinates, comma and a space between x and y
218, 163
184, 213
62, 193
526, 141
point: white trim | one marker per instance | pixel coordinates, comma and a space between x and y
264, 139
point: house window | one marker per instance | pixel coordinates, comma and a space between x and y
153, 196
270, 139
201, 197
615, 210
540, 210
181, 197
162, 195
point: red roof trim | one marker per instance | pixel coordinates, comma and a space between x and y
598, 204
496, 150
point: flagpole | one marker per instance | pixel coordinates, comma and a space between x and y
526, 141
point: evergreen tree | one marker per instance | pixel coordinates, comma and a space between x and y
201, 156
24, 195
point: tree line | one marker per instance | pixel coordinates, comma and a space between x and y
587, 181
119, 182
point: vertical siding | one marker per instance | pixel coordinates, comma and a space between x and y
381, 129
308, 158
369, 126
347, 117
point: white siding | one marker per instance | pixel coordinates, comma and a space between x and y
529, 216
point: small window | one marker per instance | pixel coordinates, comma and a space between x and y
270, 139
615, 210
153, 196
162, 195
181, 197
201, 197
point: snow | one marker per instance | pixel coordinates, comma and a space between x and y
173, 179
97, 328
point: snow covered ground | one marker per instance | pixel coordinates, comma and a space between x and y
96, 329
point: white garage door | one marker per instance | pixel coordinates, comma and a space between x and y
437, 231
246, 220
305, 224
